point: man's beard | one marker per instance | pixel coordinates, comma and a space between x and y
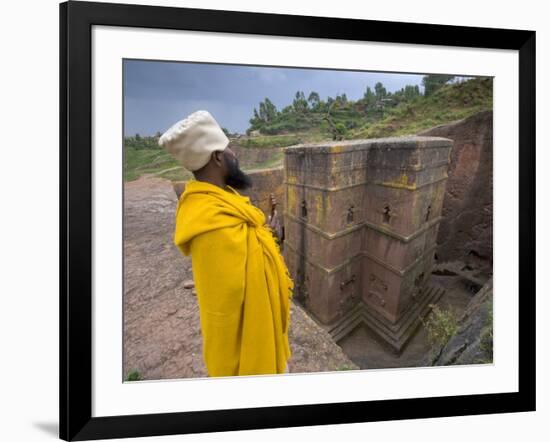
236, 178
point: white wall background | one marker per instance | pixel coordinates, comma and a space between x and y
29, 218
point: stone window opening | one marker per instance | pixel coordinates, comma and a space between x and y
304, 209
428, 212
387, 214
343, 284
350, 214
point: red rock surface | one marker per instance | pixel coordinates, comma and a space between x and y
466, 232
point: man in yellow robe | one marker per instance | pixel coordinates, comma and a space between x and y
242, 283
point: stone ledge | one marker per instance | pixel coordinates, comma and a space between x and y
408, 142
361, 254
361, 224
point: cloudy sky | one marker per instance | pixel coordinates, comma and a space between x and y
157, 94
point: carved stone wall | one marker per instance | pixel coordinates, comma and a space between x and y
361, 225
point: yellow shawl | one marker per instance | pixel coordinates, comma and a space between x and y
243, 285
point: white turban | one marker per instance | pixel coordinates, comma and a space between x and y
192, 140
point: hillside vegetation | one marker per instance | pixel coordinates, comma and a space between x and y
449, 103
377, 114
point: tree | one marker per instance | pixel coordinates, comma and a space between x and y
369, 97
266, 115
256, 115
262, 112
408, 93
340, 101
314, 100
268, 111
300, 102
287, 109
380, 91
432, 83
255, 120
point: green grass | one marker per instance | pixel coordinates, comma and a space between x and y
275, 161
441, 325
155, 161
269, 140
133, 375
344, 368
315, 134
260, 141
486, 344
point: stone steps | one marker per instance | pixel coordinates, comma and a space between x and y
396, 335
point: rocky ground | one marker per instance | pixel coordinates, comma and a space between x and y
162, 337
473, 341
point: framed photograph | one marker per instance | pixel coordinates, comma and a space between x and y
274, 220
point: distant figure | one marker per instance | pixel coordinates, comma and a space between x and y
242, 282
274, 221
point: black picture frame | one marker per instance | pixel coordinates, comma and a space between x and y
75, 413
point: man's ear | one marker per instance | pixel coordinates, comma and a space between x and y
217, 157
